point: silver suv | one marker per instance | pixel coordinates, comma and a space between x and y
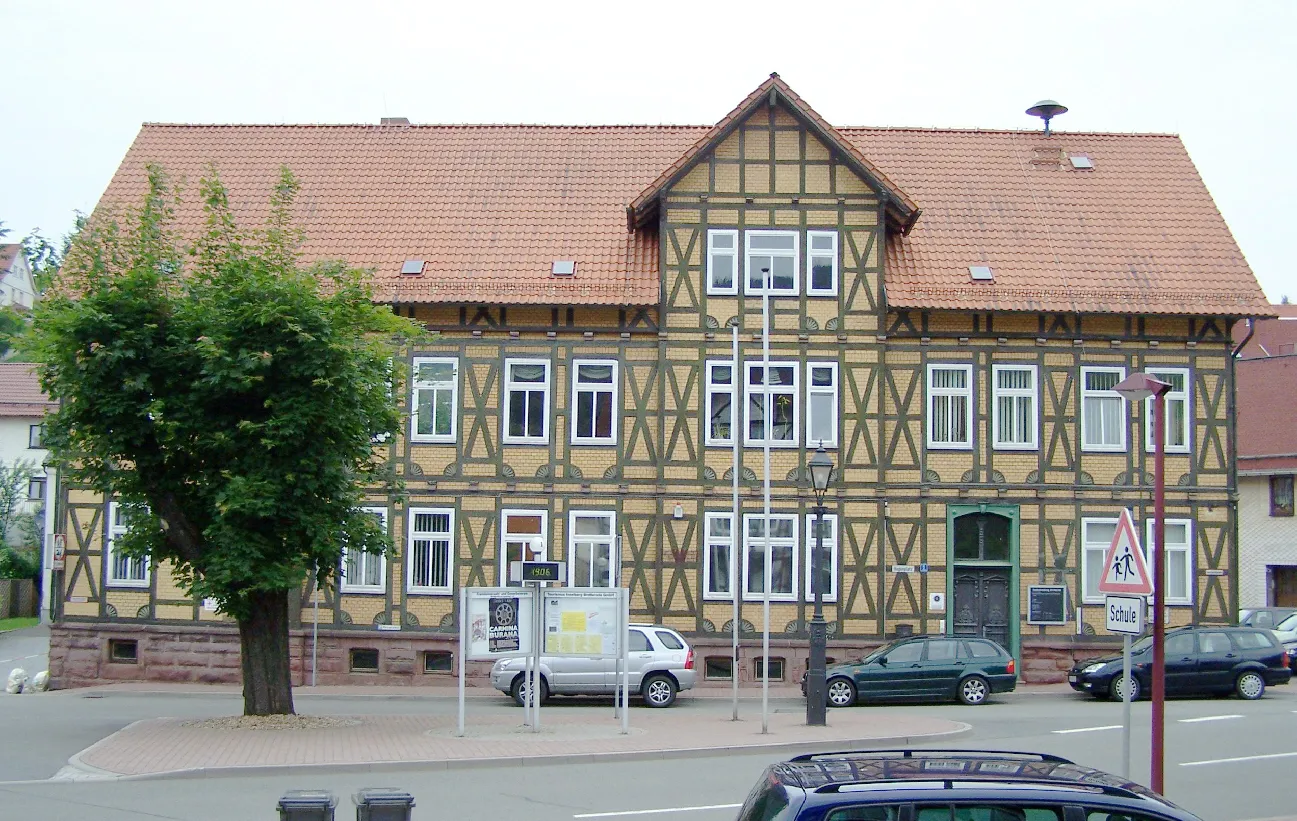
661, 664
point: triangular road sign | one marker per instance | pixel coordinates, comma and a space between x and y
1124, 570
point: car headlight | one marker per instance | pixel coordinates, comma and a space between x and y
1094, 668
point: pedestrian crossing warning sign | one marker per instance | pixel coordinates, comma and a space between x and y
1124, 570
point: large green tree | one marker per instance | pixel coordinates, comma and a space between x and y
229, 396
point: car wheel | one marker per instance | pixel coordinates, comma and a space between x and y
1250, 685
659, 690
974, 690
840, 692
1116, 688
519, 690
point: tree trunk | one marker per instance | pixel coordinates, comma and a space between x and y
263, 637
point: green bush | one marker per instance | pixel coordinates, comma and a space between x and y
17, 563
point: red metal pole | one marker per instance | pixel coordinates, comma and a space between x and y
1159, 587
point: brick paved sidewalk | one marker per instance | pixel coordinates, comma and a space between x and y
162, 747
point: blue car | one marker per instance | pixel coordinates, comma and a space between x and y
948, 785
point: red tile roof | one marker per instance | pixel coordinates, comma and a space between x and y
491, 207
1266, 413
20, 392
1272, 337
8, 253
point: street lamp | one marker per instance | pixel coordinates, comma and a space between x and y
821, 473
1136, 388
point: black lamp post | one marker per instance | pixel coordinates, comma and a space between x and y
821, 473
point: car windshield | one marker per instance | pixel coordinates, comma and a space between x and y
1289, 623
1142, 645
880, 651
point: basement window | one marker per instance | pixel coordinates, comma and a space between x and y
438, 661
123, 651
718, 668
364, 660
776, 669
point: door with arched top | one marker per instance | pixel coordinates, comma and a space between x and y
983, 554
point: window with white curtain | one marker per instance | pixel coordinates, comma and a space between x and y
781, 543
430, 555
776, 253
718, 548
526, 392
1096, 537
1014, 409
592, 545
822, 404
718, 428
1179, 558
123, 571
822, 263
722, 261
950, 407
594, 402
365, 572
829, 569
771, 405
436, 399
1103, 410
1178, 409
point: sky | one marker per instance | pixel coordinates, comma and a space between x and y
80, 77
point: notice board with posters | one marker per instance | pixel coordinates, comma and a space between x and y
499, 622
581, 621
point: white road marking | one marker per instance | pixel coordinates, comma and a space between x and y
1208, 718
1240, 758
655, 812
38, 655
1089, 729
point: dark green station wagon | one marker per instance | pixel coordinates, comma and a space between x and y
933, 668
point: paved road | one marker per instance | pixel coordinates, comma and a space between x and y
27, 648
1207, 734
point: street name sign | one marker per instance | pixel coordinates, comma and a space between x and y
1124, 570
1124, 614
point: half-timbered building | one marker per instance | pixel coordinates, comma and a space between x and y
950, 310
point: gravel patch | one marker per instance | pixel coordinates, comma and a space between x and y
292, 722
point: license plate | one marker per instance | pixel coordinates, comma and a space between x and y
1071, 679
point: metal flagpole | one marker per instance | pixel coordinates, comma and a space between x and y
736, 521
767, 430
463, 653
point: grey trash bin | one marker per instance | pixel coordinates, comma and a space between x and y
307, 805
383, 804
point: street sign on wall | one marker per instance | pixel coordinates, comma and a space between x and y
1124, 570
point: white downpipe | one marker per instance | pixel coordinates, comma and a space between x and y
765, 511
736, 522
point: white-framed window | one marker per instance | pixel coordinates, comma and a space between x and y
822, 404
123, 571
776, 253
592, 549
594, 402
430, 550
829, 570
526, 401
782, 545
1103, 410
365, 572
772, 411
722, 261
718, 550
822, 263
950, 407
1014, 409
1096, 537
523, 537
1179, 411
36, 488
1179, 558
718, 427
35, 434
435, 398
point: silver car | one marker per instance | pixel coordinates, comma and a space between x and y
660, 665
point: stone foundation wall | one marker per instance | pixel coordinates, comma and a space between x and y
81, 655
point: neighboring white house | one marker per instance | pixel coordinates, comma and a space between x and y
16, 285
1266, 390
22, 412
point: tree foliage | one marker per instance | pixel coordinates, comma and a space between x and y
228, 396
